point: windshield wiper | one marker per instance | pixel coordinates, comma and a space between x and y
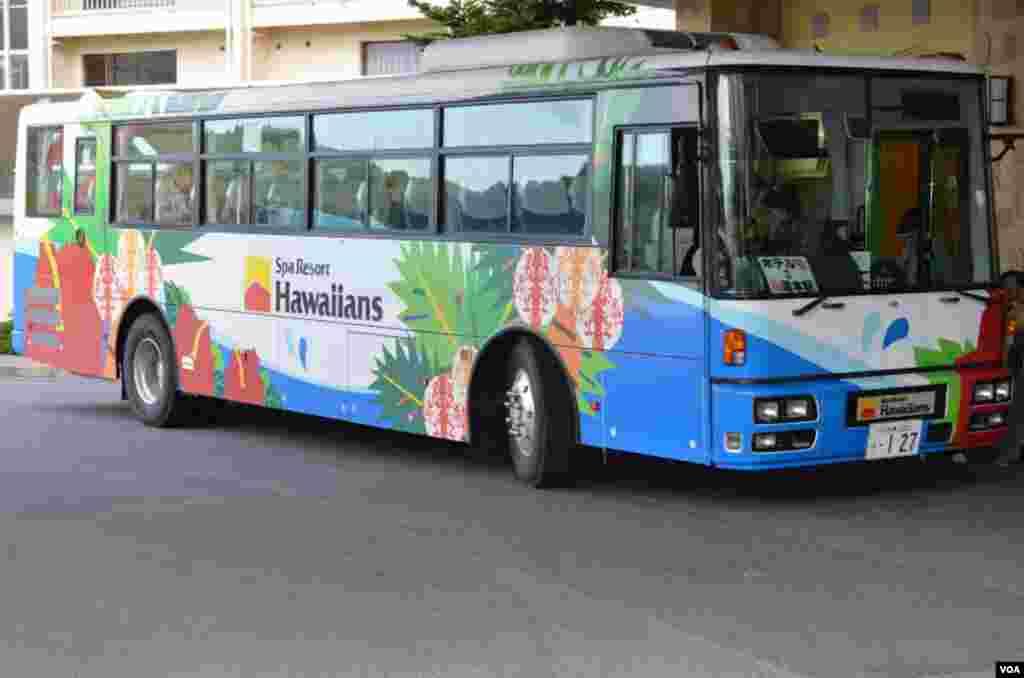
971, 295
811, 305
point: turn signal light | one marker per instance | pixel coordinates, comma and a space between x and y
735, 347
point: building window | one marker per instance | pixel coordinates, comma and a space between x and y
134, 68
999, 100
390, 58
921, 11
819, 25
13, 44
870, 18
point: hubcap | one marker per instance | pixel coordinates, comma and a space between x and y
521, 417
148, 369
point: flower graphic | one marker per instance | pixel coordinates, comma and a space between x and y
534, 287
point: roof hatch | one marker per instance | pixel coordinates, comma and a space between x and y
574, 43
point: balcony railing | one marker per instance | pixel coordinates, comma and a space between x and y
75, 6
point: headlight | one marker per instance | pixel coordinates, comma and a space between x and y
766, 410
798, 408
984, 392
1003, 390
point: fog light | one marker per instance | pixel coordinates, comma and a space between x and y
996, 419
802, 439
733, 441
766, 410
1003, 390
984, 392
797, 408
764, 441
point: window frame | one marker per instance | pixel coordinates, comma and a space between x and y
79, 143
108, 67
364, 57
510, 153
436, 228
31, 210
524, 101
614, 234
1007, 99
366, 159
177, 158
302, 156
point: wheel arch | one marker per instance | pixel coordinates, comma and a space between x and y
139, 306
495, 352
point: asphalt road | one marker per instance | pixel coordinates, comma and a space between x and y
276, 545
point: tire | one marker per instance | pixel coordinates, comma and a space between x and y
538, 420
983, 456
150, 374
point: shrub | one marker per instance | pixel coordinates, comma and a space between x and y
5, 337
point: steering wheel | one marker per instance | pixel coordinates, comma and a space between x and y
887, 275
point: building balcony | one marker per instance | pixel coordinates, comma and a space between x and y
286, 13
77, 18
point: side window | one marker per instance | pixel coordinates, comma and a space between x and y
518, 168
360, 187
657, 213
153, 174
45, 171
255, 171
85, 177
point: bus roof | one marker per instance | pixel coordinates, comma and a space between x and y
485, 67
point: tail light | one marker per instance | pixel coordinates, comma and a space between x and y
734, 348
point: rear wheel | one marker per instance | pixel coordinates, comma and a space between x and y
150, 375
538, 420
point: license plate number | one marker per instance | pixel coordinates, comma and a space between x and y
894, 439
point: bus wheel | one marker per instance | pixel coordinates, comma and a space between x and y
537, 420
983, 455
150, 374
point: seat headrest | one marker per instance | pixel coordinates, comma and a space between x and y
547, 198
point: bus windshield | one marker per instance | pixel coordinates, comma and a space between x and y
821, 196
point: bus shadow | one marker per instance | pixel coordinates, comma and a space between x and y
799, 486
627, 473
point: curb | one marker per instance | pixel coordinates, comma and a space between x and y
30, 372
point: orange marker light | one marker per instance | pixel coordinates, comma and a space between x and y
735, 347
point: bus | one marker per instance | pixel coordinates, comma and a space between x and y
699, 247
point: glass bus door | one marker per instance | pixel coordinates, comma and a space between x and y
657, 391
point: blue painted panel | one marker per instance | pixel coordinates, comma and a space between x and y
24, 278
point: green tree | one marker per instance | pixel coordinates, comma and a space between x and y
465, 18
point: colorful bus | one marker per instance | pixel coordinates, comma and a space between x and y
693, 246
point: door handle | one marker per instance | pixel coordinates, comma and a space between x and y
950, 300
834, 304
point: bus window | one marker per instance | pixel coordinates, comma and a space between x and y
228, 192
657, 202
45, 170
279, 197
85, 176
390, 181
175, 193
477, 187
543, 200
338, 183
153, 173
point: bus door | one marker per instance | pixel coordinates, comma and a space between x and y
656, 393
916, 229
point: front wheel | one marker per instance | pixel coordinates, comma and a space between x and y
538, 421
150, 374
